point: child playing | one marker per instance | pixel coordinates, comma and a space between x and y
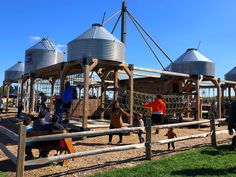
28, 150
170, 134
140, 124
58, 108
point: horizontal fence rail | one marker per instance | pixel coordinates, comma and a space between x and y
8, 153
81, 154
82, 134
9, 133
181, 124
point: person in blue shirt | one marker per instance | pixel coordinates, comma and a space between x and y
28, 149
67, 98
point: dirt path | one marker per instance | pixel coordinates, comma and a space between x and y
98, 163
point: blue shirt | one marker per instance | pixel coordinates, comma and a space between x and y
67, 95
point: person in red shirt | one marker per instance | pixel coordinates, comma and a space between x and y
158, 108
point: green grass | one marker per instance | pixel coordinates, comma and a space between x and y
199, 162
2, 174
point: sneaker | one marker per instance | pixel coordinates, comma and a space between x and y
109, 143
120, 142
65, 121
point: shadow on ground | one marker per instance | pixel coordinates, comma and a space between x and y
206, 172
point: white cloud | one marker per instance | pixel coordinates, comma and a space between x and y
34, 38
61, 46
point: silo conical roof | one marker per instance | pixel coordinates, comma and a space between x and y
15, 72
43, 54
194, 63
231, 75
44, 44
97, 43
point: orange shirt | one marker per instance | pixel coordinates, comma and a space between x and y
157, 106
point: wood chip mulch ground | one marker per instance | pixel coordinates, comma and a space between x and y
98, 163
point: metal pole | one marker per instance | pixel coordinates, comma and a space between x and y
123, 22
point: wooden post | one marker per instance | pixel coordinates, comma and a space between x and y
31, 98
52, 93
116, 84
103, 94
198, 104
229, 91
22, 91
213, 129
3, 89
148, 139
8, 93
129, 71
219, 99
21, 152
131, 94
86, 92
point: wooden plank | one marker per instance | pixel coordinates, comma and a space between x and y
8, 153
161, 142
161, 72
181, 124
42, 161
9, 133
82, 134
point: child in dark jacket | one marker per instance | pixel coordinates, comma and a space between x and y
170, 134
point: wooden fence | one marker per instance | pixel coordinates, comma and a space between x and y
20, 161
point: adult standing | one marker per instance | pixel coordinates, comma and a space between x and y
116, 119
43, 99
158, 108
67, 98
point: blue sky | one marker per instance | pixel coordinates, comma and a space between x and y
175, 24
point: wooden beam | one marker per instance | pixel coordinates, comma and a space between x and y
103, 94
93, 65
181, 124
217, 84
8, 153
86, 93
42, 161
52, 82
161, 142
13, 136
31, 98
198, 101
116, 85
161, 72
82, 134
8, 93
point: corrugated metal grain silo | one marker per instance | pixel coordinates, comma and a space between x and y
194, 63
43, 54
231, 75
97, 43
15, 72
